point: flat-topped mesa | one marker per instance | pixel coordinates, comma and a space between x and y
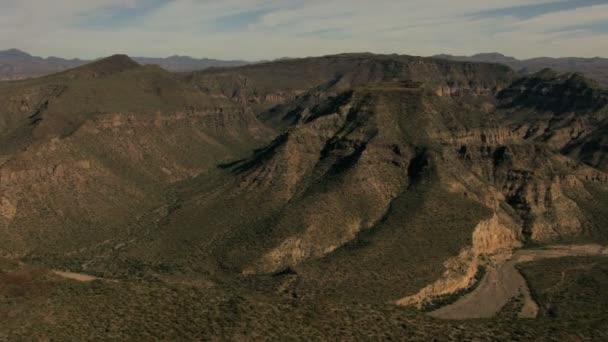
339, 73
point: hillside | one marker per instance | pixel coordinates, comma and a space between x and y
111, 127
352, 194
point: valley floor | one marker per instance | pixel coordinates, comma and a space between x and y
567, 282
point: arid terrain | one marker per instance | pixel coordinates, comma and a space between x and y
350, 197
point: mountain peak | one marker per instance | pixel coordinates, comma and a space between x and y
493, 56
105, 66
118, 59
14, 53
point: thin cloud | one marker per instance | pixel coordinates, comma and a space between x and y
263, 29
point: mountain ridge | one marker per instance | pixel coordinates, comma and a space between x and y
595, 68
16, 64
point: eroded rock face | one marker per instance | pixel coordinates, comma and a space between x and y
548, 213
492, 136
459, 274
567, 112
527, 177
455, 90
495, 235
8, 210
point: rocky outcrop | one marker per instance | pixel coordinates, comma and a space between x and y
495, 136
457, 90
529, 177
548, 213
496, 235
8, 210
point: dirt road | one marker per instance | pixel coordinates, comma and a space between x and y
75, 276
503, 282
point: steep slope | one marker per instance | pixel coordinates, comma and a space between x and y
376, 187
567, 112
88, 150
322, 143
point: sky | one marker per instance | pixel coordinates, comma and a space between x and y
268, 29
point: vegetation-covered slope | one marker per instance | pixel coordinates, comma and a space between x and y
358, 179
94, 147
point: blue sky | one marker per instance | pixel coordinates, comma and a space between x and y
265, 29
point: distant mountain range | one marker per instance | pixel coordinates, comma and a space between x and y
595, 68
16, 64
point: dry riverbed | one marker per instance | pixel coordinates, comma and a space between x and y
503, 281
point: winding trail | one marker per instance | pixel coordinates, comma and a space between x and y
503, 282
75, 276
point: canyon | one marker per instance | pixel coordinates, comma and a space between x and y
392, 185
